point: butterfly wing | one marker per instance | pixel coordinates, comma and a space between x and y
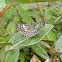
22, 27
39, 25
29, 31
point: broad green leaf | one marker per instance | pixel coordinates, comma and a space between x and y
25, 1
26, 17
59, 8
47, 15
54, 12
35, 14
25, 6
11, 28
16, 18
2, 54
58, 45
44, 7
44, 44
5, 39
52, 7
3, 44
57, 19
61, 20
20, 40
1, 38
52, 20
50, 36
12, 56
48, 12
35, 39
8, 15
32, 12
40, 51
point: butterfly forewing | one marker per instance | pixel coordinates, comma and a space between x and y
29, 30
39, 25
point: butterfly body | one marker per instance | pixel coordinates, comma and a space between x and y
29, 30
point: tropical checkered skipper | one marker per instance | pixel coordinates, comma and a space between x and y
29, 30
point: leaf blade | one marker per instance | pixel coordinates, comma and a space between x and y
20, 40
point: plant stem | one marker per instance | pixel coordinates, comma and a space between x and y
3, 11
5, 57
2, 27
52, 59
48, 4
41, 13
10, 30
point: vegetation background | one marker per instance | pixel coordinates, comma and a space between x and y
47, 44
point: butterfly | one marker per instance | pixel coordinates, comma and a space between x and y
29, 30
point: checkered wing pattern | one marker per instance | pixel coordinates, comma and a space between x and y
29, 30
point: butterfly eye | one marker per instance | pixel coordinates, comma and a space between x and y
31, 31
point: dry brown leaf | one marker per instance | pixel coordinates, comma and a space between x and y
47, 60
35, 59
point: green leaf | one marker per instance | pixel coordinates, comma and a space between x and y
59, 8
16, 18
8, 15
11, 28
48, 12
25, 6
61, 20
2, 54
20, 40
22, 57
26, 17
50, 36
5, 39
57, 19
44, 7
52, 7
32, 12
44, 44
52, 20
35, 14
1, 38
58, 45
28, 56
25, 1
12, 56
40, 51
3, 44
